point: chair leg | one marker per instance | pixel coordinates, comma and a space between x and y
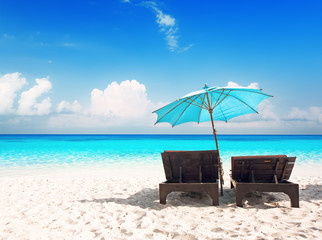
163, 195
240, 194
221, 189
214, 196
239, 199
293, 193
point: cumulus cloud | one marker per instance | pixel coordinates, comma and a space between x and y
125, 106
118, 107
10, 84
67, 107
266, 111
311, 114
234, 84
125, 100
28, 104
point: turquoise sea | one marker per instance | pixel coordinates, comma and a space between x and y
18, 151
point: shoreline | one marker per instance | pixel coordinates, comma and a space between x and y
133, 170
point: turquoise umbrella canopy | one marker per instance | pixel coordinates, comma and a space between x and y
220, 103
210, 104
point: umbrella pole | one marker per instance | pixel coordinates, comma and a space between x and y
221, 172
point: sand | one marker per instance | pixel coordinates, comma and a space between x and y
121, 203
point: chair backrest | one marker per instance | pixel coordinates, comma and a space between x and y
271, 168
190, 166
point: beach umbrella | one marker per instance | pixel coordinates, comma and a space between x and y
210, 104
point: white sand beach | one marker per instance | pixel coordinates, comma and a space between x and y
120, 203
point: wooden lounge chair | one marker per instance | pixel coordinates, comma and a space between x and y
263, 174
190, 171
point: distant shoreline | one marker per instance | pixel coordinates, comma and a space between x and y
135, 170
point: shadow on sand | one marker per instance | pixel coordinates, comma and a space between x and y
311, 192
148, 198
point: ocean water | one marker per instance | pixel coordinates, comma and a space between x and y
18, 151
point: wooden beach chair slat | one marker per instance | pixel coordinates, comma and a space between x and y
275, 171
284, 170
167, 167
289, 168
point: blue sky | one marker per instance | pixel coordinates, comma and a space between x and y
104, 66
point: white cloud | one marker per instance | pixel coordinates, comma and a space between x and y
311, 114
120, 107
10, 84
234, 84
28, 104
187, 48
127, 100
125, 108
67, 107
167, 25
266, 111
165, 20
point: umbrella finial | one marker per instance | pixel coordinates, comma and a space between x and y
205, 87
